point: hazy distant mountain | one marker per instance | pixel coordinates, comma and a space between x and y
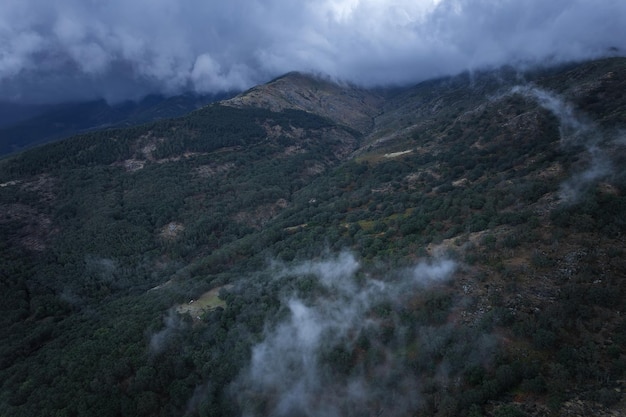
23, 126
13, 113
453, 248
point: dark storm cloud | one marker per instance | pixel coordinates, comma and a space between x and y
118, 49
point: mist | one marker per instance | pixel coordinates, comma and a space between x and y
173, 323
72, 49
575, 129
343, 348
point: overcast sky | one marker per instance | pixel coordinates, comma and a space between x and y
53, 50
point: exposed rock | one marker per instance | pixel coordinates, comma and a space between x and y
172, 230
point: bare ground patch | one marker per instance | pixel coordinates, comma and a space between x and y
132, 165
397, 154
172, 230
207, 171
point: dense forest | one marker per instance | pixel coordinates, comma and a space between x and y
465, 257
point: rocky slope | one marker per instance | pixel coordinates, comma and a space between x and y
344, 104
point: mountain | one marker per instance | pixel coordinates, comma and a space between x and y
343, 104
13, 113
453, 248
24, 126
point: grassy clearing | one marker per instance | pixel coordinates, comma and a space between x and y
206, 302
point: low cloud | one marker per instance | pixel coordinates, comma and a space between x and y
172, 324
575, 130
600, 167
117, 49
102, 269
333, 354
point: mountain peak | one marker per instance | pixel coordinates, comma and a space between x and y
344, 104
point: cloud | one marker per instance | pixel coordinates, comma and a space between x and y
600, 167
73, 48
207, 76
173, 324
575, 130
297, 368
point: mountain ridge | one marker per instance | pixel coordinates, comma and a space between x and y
345, 104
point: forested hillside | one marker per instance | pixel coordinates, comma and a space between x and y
451, 249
